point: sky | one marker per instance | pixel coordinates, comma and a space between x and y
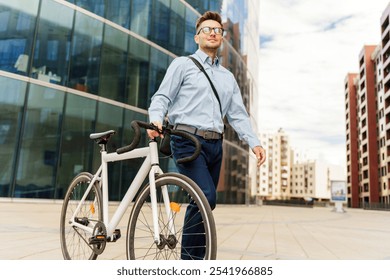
307, 48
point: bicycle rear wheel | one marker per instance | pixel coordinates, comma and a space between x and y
74, 240
184, 196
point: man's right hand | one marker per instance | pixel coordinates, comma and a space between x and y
153, 133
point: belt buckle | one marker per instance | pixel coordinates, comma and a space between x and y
208, 134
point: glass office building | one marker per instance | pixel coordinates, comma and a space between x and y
70, 68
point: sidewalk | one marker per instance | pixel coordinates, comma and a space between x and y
29, 230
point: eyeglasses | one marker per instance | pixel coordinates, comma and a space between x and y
207, 30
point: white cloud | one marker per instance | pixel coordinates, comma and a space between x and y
311, 46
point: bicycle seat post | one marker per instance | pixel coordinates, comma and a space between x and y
103, 147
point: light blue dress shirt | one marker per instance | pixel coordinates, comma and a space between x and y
186, 95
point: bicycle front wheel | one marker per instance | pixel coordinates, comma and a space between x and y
75, 240
184, 215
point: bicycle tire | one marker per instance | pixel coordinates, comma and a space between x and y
140, 238
74, 241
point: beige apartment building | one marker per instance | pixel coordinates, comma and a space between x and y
274, 174
312, 179
288, 174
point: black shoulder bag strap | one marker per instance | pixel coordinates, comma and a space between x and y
208, 78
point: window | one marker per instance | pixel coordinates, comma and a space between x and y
10, 119
79, 122
112, 79
39, 148
17, 38
51, 58
85, 55
119, 12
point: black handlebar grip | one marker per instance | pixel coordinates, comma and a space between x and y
137, 137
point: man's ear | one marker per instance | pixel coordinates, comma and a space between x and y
196, 38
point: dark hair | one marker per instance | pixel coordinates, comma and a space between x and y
208, 16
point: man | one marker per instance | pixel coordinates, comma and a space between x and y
187, 96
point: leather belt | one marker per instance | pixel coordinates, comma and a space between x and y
205, 134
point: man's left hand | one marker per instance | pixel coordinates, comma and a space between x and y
260, 155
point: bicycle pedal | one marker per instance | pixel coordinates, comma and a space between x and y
116, 235
98, 239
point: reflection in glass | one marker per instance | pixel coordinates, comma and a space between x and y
38, 157
76, 147
216, 5
86, 52
160, 23
95, 6
11, 109
17, 25
51, 58
158, 66
110, 117
177, 28
118, 11
141, 16
189, 45
130, 168
113, 67
138, 73
232, 185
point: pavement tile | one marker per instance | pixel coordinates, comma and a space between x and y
29, 230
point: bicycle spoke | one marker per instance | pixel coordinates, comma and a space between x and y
181, 194
74, 240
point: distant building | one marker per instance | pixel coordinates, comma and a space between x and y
312, 180
274, 178
288, 174
367, 112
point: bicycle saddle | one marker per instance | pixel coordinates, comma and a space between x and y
102, 137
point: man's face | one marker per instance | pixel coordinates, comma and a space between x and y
211, 41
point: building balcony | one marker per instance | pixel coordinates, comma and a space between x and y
386, 81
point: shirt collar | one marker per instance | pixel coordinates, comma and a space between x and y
205, 58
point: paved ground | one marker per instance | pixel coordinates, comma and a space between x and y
29, 230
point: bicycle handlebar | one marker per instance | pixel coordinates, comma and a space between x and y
137, 137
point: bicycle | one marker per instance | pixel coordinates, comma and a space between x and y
156, 223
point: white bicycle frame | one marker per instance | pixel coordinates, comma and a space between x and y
149, 166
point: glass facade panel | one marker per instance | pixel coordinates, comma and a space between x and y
232, 186
38, 158
52, 48
12, 95
86, 53
158, 66
76, 147
189, 44
217, 5
129, 168
95, 6
110, 117
199, 5
160, 23
118, 11
141, 17
138, 73
112, 80
17, 25
177, 28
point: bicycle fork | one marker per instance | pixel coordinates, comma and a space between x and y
167, 206
153, 196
